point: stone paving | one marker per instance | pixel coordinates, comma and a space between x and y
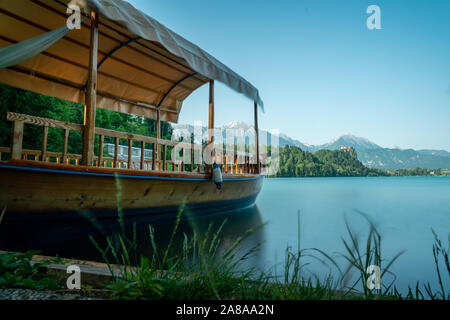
26, 294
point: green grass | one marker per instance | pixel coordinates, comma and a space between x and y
442, 264
17, 270
204, 270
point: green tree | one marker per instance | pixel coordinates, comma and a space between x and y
30, 103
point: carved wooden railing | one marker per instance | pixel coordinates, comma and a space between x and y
229, 163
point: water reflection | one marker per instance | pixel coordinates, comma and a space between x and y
70, 239
404, 209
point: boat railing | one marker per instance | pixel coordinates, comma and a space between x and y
230, 163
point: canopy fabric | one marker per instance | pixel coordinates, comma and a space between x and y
148, 28
142, 63
22, 51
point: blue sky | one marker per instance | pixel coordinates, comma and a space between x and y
320, 71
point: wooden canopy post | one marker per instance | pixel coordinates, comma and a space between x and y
142, 155
17, 140
164, 163
130, 154
91, 96
256, 138
158, 136
100, 150
116, 152
153, 156
44, 143
211, 119
65, 144
211, 112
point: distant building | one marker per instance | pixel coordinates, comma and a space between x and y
351, 150
123, 152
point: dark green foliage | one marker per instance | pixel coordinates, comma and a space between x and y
30, 103
294, 162
21, 101
18, 271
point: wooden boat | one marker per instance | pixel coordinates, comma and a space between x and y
121, 60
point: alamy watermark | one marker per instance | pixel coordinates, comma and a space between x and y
74, 20
374, 20
374, 279
74, 280
237, 144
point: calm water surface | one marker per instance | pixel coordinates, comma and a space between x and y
404, 210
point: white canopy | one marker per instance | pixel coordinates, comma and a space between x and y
148, 28
142, 64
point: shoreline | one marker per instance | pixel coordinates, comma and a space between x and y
391, 176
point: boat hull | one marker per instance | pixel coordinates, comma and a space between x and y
32, 190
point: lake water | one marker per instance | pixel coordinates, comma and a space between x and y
404, 210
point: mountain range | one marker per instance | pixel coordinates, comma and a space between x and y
369, 153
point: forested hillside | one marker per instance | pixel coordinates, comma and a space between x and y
21, 101
294, 162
